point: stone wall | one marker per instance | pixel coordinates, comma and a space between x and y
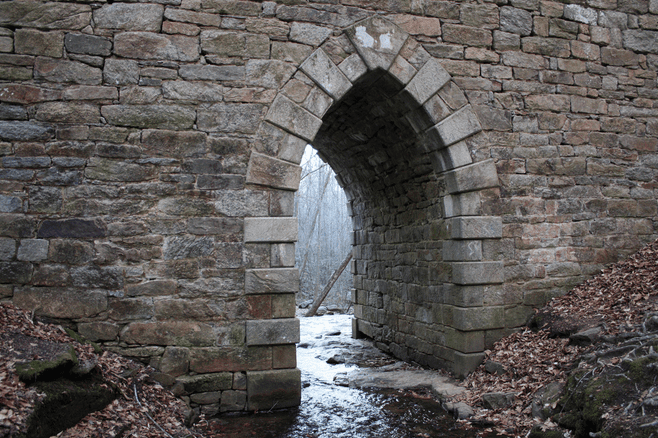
494, 154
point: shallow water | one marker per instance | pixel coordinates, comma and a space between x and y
329, 410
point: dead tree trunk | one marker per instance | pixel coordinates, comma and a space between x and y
329, 285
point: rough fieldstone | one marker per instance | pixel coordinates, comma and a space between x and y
51, 15
231, 117
212, 72
88, 44
182, 247
33, 42
129, 16
7, 249
274, 173
68, 112
268, 73
73, 228
120, 72
233, 401
25, 131
178, 333
10, 204
378, 41
69, 251
59, 302
207, 382
515, 20
32, 250
641, 40
150, 116
233, 44
12, 112
15, 272
498, 400
98, 331
270, 230
175, 361
145, 45
276, 388
273, 332
108, 277
307, 33
74, 72
242, 203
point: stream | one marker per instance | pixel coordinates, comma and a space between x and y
346, 393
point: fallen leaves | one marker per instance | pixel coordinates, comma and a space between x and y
124, 417
617, 299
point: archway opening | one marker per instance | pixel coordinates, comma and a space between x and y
397, 217
324, 237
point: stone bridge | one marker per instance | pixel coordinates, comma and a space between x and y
495, 154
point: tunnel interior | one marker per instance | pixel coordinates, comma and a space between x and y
395, 198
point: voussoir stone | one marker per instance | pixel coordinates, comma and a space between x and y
130, 16
273, 332
264, 281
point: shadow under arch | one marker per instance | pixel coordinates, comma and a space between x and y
404, 143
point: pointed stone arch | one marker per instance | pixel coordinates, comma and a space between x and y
470, 309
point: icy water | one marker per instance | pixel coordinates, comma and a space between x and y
331, 410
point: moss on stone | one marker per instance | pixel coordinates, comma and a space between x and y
36, 369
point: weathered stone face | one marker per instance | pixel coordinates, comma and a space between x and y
494, 156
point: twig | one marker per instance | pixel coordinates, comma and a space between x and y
147, 414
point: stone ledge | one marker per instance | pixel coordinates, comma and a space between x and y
476, 227
266, 281
273, 389
467, 273
464, 364
273, 331
478, 176
270, 229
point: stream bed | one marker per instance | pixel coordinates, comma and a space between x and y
347, 393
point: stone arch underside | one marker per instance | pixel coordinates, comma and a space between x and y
402, 140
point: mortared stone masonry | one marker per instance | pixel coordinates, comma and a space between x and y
494, 154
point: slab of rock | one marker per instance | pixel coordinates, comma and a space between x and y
442, 386
498, 400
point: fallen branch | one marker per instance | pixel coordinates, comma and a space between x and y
329, 285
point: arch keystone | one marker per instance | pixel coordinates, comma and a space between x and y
378, 41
